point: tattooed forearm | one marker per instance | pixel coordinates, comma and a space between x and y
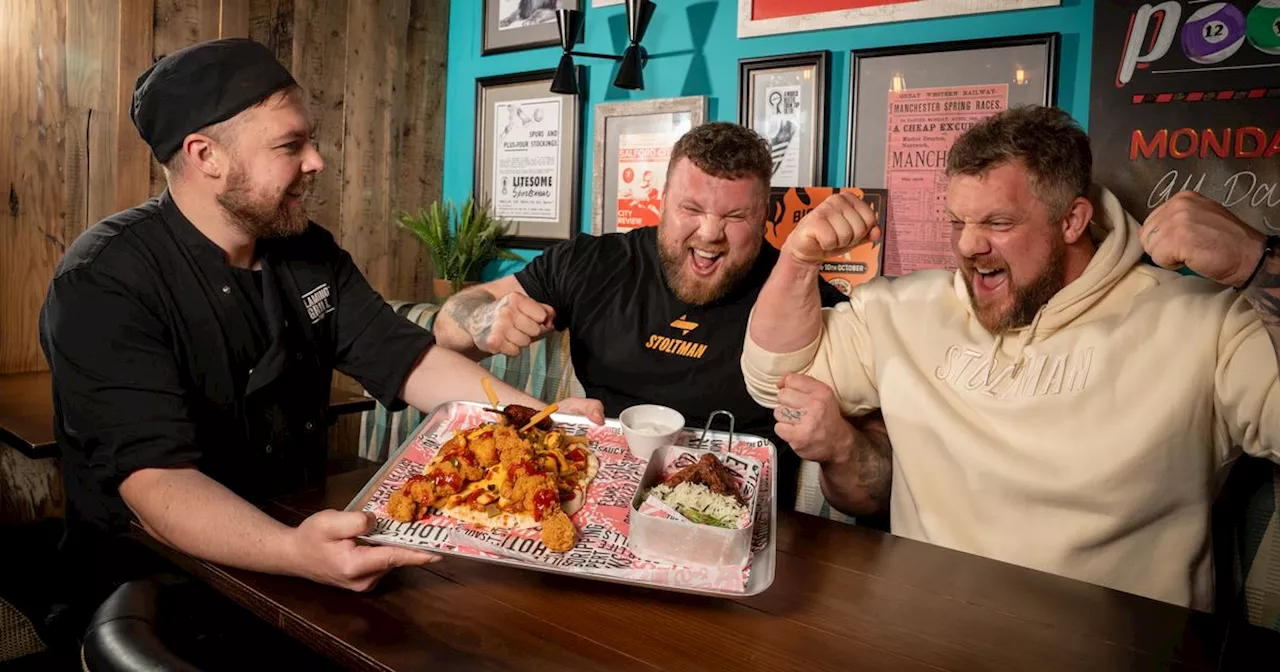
1264, 294
472, 310
861, 485
454, 326
875, 468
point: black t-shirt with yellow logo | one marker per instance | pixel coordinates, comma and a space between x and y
634, 342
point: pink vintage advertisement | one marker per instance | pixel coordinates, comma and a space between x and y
923, 123
602, 551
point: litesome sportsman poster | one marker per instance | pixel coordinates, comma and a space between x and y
526, 160
1186, 95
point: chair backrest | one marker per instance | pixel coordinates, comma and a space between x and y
1259, 549
122, 635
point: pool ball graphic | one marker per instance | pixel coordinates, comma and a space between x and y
1213, 33
1264, 26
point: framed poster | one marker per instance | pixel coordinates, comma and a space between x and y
1187, 96
633, 143
527, 162
784, 99
510, 25
771, 17
788, 205
910, 103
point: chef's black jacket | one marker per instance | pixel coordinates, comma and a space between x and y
163, 354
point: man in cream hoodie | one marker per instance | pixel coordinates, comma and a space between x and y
1055, 403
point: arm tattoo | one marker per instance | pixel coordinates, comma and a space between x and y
862, 485
875, 467
1264, 294
473, 310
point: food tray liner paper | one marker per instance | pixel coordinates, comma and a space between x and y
601, 551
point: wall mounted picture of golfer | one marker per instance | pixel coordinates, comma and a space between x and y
783, 98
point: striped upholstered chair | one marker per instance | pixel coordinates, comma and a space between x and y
542, 370
1259, 551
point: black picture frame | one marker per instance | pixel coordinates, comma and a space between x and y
820, 61
907, 104
570, 176
494, 39
1051, 42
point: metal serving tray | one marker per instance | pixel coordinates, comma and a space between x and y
605, 497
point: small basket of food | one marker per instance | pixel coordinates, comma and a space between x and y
695, 507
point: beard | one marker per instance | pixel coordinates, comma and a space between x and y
1027, 298
256, 213
700, 291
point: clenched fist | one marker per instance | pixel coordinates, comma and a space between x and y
510, 323
837, 225
1199, 233
809, 420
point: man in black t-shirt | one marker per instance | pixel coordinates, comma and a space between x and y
658, 315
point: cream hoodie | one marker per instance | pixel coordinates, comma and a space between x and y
1089, 444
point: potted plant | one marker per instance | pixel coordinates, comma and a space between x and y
461, 241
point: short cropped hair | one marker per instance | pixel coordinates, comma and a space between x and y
1046, 140
727, 151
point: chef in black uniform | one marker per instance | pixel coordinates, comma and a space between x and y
659, 314
192, 339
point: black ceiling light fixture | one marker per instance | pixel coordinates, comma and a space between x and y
630, 72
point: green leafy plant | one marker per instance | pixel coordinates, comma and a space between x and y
461, 240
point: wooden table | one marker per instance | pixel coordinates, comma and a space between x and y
26, 412
844, 598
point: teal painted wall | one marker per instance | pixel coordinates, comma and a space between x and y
705, 31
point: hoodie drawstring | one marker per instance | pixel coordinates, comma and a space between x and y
1028, 335
992, 357
1025, 340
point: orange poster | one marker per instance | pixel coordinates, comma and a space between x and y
788, 205
642, 176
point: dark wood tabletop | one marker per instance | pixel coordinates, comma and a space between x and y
844, 597
26, 411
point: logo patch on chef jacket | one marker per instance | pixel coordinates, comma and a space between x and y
317, 303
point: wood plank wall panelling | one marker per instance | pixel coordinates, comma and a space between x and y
133, 157
33, 170
373, 75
